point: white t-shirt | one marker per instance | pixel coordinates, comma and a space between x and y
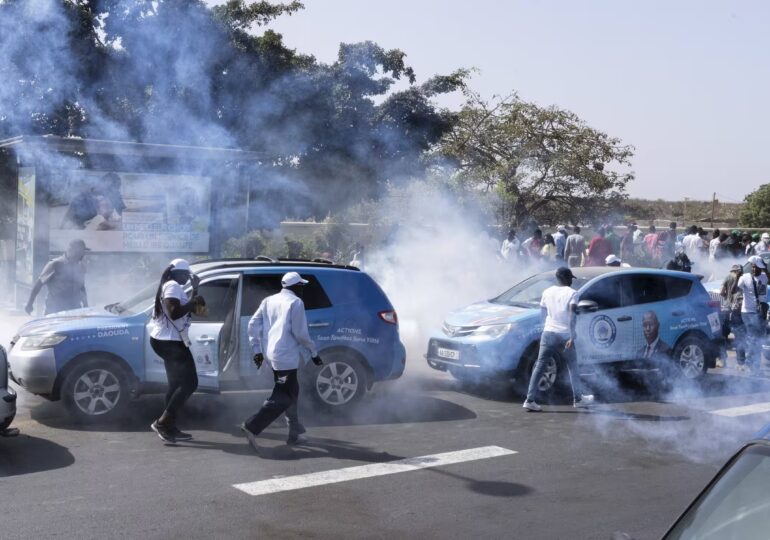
750, 296
163, 328
713, 246
693, 245
557, 301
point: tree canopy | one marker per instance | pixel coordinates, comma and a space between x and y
178, 71
756, 210
543, 163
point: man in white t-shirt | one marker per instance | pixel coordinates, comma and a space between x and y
693, 244
557, 306
753, 286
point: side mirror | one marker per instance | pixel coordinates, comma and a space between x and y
587, 306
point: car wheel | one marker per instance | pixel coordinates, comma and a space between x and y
549, 379
6, 423
691, 358
96, 391
338, 383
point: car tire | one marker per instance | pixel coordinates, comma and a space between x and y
5, 424
337, 384
96, 390
551, 382
691, 358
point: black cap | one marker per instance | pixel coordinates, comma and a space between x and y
563, 273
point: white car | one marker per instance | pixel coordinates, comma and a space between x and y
7, 394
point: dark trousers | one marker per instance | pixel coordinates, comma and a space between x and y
180, 371
284, 399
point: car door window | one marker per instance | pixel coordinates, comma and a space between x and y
257, 287
607, 293
646, 289
220, 298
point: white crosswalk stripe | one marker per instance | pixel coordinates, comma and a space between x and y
276, 485
754, 408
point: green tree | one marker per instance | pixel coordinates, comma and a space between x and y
756, 209
543, 163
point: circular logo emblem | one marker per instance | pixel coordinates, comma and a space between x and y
602, 331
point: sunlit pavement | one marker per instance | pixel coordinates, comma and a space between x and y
631, 464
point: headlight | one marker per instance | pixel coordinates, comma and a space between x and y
41, 341
493, 330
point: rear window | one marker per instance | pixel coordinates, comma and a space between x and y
257, 287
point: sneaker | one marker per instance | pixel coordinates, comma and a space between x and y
296, 439
164, 434
719, 363
180, 435
586, 400
251, 436
532, 406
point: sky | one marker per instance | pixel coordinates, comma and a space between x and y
686, 82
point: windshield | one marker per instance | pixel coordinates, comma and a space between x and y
137, 303
735, 506
528, 292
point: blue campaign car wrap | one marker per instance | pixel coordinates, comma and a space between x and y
627, 318
105, 352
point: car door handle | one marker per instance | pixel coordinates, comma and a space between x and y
319, 325
677, 313
205, 339
625, 318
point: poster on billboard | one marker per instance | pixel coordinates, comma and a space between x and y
25, 226
130, 212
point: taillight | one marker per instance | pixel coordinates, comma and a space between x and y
715, 304
389, 317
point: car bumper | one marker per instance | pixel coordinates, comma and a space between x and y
471, 358
7, 407
34, 371
399, 362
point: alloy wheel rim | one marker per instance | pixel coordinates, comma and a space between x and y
337, 383
548, 378
96, 392
691, 361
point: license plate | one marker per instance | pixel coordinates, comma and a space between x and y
448, 353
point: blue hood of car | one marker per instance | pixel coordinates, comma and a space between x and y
485, 313
75, 319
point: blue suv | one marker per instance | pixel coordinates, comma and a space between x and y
622, 314
96, 360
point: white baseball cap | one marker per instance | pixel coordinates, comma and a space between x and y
757, 261
612, 259
180, 264
292, 278
765, 236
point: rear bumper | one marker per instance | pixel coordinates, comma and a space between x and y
34, 371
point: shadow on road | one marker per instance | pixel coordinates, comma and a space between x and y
25, 455
223, 412
626, 387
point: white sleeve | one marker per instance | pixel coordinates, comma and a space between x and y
299, 327
255, 329
172, 289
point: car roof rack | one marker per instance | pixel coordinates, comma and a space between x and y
263, 260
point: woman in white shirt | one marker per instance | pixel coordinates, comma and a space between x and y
169, 339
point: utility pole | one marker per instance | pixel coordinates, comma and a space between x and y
684, 218
713, 207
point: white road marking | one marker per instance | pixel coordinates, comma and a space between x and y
289, 483
755, 408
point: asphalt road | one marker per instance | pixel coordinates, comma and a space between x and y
631, 464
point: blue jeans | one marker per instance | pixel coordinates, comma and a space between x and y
755, 331
552, 346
